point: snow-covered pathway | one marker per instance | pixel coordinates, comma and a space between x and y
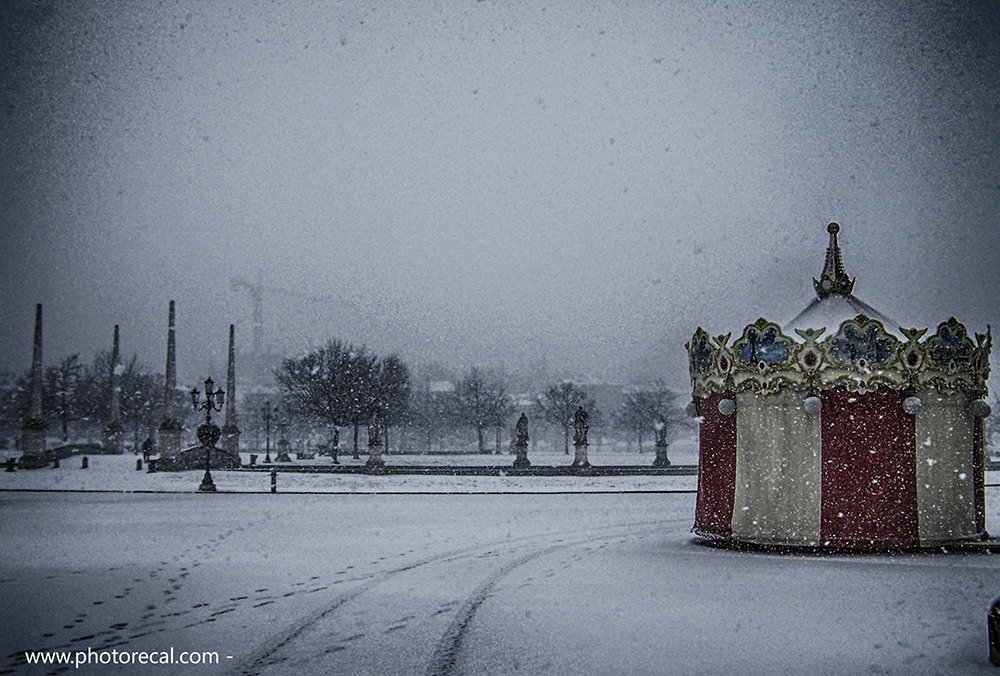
464, 584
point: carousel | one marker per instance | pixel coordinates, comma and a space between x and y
841, 429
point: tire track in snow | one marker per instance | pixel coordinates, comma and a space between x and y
449, 648
252, 665
282, 647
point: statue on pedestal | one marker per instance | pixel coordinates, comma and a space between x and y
522, 431
661, 459
335, 445
580, 427
375, 462
521, 442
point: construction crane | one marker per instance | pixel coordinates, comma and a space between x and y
257, 292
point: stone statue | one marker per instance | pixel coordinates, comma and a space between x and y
147, 448
661, 459
375, 427
661, 435
580, 427
522, 431
375, 464
335, 445
521, 443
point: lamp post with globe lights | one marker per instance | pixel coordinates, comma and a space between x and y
208, 433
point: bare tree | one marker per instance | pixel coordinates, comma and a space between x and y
64, 394
558, 404
141, 395
480, 402
316, 386
648, 410
14, 403
431, 414
142, 400
392, 392
501, 409
360, 377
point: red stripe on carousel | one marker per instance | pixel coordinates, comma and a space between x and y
869, 470
716, 468
979, 474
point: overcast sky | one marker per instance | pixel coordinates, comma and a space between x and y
575, 184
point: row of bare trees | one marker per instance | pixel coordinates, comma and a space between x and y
649, 409
337, 386
76, 399
481, 403
478, 402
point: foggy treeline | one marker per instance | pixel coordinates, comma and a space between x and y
76, 400
333, 390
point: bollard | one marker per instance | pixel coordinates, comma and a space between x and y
274, 481
84, 463
253, 459
138, 464
993, 624
55, 463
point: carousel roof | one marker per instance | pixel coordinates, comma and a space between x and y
842, 342
835, 301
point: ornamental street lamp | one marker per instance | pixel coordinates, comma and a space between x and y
267, 413
208, 433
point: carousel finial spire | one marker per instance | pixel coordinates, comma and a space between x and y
834, 279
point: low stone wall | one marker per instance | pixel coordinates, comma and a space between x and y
489, 470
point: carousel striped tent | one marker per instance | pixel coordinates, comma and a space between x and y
841, 429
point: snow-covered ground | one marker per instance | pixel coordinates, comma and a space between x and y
500, 575
118, 473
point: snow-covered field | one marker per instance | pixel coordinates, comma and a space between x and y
500, 575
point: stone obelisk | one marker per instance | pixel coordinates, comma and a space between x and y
114, 433
169, 440
33, 431
230, 431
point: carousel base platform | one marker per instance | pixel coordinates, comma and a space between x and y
989, 545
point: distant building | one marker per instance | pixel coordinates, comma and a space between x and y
440, 387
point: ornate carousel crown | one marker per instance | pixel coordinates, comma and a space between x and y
834, 279
860, 356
